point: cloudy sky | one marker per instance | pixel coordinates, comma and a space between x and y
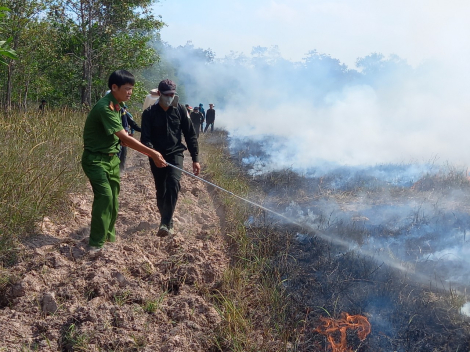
416, 30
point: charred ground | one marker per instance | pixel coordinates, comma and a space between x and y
411, 296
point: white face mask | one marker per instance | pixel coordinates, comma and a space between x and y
166, 100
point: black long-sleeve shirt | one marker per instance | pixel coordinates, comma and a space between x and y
133, 124
162, 130
210, 115
196, 118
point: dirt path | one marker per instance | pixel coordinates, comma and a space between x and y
142, 293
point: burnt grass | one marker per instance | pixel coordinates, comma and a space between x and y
404, 316
414, 305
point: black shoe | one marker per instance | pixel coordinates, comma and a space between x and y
163, 230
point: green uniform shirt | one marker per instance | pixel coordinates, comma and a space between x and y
103, 121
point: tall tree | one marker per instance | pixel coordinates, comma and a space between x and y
21, 13
101, 36
36, 64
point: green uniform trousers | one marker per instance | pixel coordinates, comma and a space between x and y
103, 172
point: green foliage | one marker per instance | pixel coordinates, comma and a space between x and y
5, 49
67, 49
105, 36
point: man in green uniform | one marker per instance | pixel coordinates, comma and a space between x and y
102, 136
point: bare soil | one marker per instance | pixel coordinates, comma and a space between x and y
142, 292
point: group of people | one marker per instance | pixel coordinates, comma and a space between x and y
164, 123
199, 116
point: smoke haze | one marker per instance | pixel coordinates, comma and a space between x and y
320, 112
383, 119
371, 120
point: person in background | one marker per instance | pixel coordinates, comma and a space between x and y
42, 107
163, 126
189, 109
196, 119
102, 135
130, 126
151, 98
201, 110
210, 118
175, 104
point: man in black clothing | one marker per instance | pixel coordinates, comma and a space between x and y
210, 118
196, 119
42, 107
203, 113
130, 126
162, 128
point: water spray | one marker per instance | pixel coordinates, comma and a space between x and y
236, 196
328, 237
331, 237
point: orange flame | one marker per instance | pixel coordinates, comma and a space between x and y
334, 327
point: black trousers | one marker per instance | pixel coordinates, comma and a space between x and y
207, 126
167, 185
123, 157
197, 128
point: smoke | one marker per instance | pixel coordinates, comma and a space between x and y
428, 242
319, 111
378, 125
382, 123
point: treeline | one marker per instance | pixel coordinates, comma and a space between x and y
264, 78
67, 48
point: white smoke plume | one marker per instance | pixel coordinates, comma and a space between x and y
321, 111
383, 119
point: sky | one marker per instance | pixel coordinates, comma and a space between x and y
420, 119
417, 30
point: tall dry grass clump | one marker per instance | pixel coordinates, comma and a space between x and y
256, 310
39, 165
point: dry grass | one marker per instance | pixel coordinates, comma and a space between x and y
39, 166
278, 288
252, 298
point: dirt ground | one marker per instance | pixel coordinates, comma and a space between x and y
142, 293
